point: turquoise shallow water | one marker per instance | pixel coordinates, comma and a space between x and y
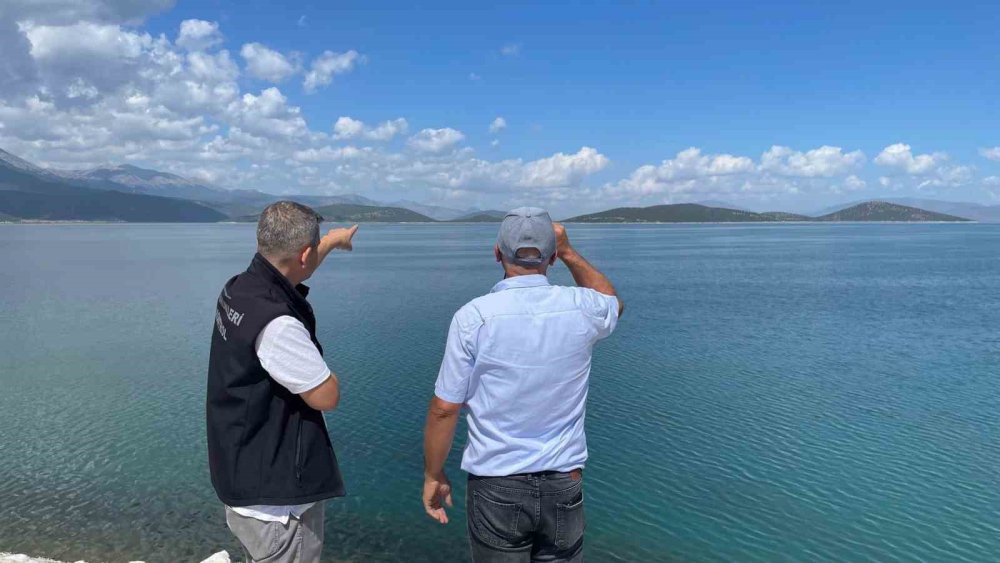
773, 393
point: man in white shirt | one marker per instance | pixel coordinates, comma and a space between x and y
271, 458
519, 360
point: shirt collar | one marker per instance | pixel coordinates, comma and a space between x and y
516, 282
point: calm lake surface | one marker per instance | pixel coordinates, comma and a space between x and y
773, 392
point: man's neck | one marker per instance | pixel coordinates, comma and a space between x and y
285, 270
515, 271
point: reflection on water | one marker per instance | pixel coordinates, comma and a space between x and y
793, 392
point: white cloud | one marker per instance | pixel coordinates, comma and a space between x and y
388, 129
927, 170
562, 169
268, 115
511, 50
328, 154
853, 183
268, 64
435, 140
824, 162
992, 153
198, 35
85, 40
781, 171
474, 77
329, 64
102, 56
498, 124
901, 157
349, 128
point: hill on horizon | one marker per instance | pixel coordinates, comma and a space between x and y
889, 212
349, 213
672, 213
697, 213
488, 216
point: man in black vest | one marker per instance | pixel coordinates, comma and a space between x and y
270, 456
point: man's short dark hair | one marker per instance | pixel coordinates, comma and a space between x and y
285, 228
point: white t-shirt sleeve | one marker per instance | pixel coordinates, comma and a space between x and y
288, 354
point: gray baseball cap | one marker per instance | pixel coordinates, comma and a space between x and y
527, 227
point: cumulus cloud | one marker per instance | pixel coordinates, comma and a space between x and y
387, 130
853, 183
901, 157
267, 64
105, 57
268, 115
498, 124
328, 154
562, 169
992, 153
689, 164
348, 128
826, 161
929, 170
781, 170
435, 140
198, 35
329, 64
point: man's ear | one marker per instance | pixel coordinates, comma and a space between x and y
304, 256
553, 259
496, 253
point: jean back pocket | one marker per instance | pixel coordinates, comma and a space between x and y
570, 522
495, 523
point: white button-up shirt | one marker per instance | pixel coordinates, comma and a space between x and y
519, 358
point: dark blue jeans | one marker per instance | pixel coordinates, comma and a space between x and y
522, 518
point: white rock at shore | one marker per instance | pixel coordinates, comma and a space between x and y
220, 557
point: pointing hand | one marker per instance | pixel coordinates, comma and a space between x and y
340, 239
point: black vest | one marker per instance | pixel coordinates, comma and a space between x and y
265, 444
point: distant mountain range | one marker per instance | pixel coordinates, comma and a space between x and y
130, 193
30, 192
349, 213
696, 213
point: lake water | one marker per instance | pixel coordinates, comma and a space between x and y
773, 392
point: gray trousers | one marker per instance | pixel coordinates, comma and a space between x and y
300, 541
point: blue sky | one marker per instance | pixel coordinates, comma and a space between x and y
602, 103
